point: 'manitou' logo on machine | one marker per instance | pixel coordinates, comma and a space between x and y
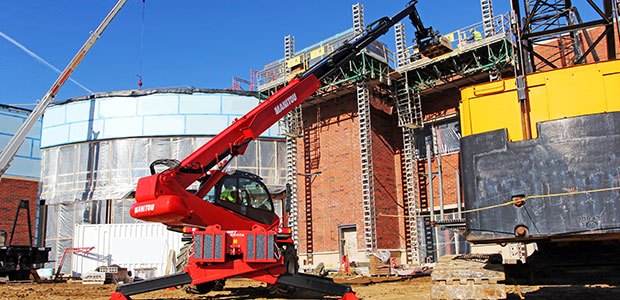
286, 103
144, 208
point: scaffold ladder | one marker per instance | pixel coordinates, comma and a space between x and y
408, 105
291, 179
309, 230
411, 221
358, 18
293, 127
368, 194
487, 17
402, 55
289, 46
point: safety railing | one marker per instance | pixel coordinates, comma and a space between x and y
469, 36
283, 70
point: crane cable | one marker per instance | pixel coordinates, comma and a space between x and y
141, 46
516, 201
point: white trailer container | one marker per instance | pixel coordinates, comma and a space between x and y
137, 247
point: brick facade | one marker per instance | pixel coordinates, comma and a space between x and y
449, 166
329, 166
331, 146
332, 128
11, 191
386, 149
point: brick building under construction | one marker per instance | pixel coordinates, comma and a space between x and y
373, 158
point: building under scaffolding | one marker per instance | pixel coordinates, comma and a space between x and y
361, 166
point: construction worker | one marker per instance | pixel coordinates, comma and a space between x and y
475, 34
227, 193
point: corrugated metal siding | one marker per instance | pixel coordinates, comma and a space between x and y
142, 245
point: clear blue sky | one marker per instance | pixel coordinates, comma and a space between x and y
186, 43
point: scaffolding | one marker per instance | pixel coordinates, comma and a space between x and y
402, 55
371, 68
412, 243
365, 142
373, 63
487, 17
292, 129
358, 18
365, 139
408, 104
471, 61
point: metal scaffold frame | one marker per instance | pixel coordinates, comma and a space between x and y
358, 18
402, 55
491, 55
409, 110
365, 139
368, 194
558, 20
292, 129
411, 201
487, 17
408, 104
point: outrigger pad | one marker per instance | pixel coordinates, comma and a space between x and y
315, 283
152, 284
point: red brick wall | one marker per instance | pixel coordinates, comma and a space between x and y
332, 131
386, 145
11, 191
336, 192
449, 165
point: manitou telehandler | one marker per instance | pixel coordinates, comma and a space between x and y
235, 230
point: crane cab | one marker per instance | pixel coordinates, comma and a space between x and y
245, 193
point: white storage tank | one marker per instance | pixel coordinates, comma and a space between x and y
143, 248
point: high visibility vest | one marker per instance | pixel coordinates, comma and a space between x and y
477, 35
227, 195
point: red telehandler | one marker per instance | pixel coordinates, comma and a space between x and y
235, 231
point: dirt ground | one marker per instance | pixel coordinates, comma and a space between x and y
414, 288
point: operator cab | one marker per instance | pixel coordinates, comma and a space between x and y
245, 194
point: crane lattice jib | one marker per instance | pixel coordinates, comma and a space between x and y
16, 141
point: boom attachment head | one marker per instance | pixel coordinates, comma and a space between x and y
430, 43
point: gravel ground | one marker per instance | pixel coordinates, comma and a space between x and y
414, 288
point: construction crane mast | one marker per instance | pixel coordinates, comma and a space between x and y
7, 155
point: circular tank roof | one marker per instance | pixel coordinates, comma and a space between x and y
141, 113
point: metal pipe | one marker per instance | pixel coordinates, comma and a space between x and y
458, 209
458, 195
430, 180
611, 41
431, 198
439, 171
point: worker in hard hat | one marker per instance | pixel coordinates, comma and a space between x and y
475, 35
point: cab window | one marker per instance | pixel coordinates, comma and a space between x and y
254, 194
